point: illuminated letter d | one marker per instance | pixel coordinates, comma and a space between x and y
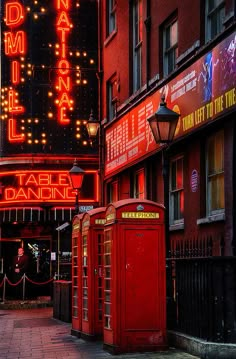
14, 14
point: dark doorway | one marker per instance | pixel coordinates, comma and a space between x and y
38, 275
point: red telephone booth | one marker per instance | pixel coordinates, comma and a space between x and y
76, 276
92, 273
134, 277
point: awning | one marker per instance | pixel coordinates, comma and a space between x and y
24, 214
66, 213
38, 214
62, 214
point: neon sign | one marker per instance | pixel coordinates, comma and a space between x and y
44, 186
15, 46
48, 82
63, 81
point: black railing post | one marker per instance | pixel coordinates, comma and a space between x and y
170, 301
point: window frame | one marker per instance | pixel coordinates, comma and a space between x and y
214, 174
215, 13
113, 191
140, 174
177, 190
111, 98
111, 17
137, 34
172, 50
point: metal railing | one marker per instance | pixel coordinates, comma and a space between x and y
202, 289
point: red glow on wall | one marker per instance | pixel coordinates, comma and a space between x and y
63, 80
44, 186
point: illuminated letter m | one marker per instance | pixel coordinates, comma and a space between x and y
15, 43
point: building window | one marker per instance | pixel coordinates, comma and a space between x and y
137, 43
170, 47
215, 14
111, 98
113, 192
111, 16
215, 174
139, 185
176, 190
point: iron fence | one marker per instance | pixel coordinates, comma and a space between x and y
201, 293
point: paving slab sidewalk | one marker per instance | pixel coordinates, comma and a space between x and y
34, 333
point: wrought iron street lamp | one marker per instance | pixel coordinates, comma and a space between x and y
163, 125
94, 127
76, 176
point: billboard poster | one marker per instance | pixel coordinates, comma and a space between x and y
48, 75
200, 93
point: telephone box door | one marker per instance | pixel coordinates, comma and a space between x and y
92, 273
143, 286
76, 276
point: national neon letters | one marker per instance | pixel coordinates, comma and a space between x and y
63, 82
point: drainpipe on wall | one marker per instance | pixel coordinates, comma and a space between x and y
147, 23
234, 194
100, 112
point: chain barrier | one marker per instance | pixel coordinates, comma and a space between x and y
13, 284
39, 283
2, 282
22, 279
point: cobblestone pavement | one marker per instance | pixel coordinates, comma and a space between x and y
34, 333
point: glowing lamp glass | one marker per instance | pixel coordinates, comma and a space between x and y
76, 176
163, 123
92, 126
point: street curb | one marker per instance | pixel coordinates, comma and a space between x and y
202, 348
27, 304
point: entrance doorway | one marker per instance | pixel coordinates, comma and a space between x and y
39, 270
39, 252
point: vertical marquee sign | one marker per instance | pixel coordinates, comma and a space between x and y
15, 46
48, 75
63, 81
